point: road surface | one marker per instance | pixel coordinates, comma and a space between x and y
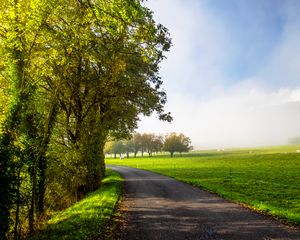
159, 207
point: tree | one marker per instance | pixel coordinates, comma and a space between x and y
177, 143
108, 77
25, 129
152, 143
295, 140
118, 147
108, 149
146, 142
78, 73
143, 143
136, 140
129, 147
157, 144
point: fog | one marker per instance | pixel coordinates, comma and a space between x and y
237, 119
233, 74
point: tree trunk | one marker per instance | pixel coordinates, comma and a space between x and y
93, 156
41, 184
33, 197
18, 202
7, 167
42, 159
6, 179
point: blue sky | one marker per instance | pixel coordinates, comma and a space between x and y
255, 28
233, 73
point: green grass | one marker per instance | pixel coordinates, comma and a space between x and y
86, 218
268, 179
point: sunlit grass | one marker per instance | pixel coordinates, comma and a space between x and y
85, 219
266, 178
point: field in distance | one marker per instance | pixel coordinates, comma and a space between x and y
267, 179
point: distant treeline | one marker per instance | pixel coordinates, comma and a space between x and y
149, 143
295, 140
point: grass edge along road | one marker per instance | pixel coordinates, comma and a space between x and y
267, 180
87, 218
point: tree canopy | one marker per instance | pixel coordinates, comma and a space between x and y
177, 143
149, 143
73, 73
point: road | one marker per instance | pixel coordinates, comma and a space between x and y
159, 207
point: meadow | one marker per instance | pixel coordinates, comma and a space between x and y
265, 179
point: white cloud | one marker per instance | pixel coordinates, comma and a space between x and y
201, 46
263, 109
283, 67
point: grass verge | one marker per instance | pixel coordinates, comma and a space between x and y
267, 179
87, 218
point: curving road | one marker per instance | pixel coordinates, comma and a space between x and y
159, 207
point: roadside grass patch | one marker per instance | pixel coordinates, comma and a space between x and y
267, 179
85, 219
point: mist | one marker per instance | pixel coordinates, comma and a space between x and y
242, 118
232, 77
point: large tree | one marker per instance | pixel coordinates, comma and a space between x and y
177, 143
78, 72
136, 140
108, 56
24, 132
152, 142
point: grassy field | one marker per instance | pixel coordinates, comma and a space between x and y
268, 179
85, 219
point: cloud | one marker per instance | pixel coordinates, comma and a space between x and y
283, 66
201, 46
221, 92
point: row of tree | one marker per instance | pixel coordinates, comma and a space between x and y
293, 141
149, 143
67, 69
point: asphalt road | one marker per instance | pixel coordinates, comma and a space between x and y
159, 207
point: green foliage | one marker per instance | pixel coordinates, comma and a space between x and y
5, 98
6, 188
137, 142
265, 178
146, 142
22, 126
74, 73
85, 219
118, 147
150, 143
177, 143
